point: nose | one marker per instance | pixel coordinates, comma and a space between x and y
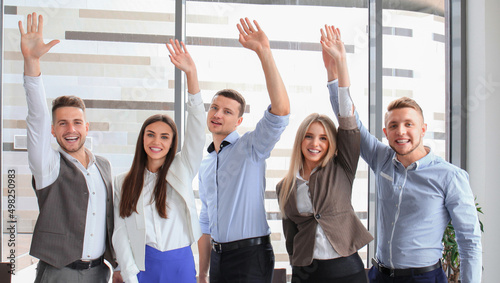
315, 141
72, 127
401, 130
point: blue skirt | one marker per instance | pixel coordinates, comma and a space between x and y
170, 266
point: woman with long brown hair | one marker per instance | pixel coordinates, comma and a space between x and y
155, 213
322, 231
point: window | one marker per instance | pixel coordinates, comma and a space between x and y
112, 54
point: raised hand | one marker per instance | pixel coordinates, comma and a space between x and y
179, 56
252, 38
32, 45
331, 42
334, 56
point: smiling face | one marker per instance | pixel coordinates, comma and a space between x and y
70, 129
223, 116
405, 129
314, 145
157, 143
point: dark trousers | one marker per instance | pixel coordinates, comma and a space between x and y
435, 276
46, 273
253, 264
348, 269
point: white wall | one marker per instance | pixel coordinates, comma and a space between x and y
484, 123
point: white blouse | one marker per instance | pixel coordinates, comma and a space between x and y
322, 247
164, 234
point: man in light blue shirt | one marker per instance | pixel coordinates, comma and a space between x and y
418, 193
235, 241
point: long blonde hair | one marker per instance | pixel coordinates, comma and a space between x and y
297, 158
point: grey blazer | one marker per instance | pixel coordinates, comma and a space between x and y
331, 189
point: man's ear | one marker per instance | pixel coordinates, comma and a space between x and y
52, 131
424, 129
239, 121
385, 131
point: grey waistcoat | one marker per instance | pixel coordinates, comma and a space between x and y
60, 227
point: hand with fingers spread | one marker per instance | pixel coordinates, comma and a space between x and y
252, 38
32, 45
334, 55
180, 57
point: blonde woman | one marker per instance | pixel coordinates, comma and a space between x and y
321, 228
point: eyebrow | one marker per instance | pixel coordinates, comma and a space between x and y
321, 135
163, 134
66, 120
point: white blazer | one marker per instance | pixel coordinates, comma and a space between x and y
129, 236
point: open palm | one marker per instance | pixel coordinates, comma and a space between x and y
252, 38
32, 45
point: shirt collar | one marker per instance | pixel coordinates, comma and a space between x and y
231, 138
69, 157
419, 164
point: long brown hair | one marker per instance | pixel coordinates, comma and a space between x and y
297, 158
134, 181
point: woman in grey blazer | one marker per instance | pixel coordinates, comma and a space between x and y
321, 228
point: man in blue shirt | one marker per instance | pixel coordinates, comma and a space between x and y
235, 241
418, 193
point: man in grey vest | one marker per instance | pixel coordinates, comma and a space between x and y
72, 235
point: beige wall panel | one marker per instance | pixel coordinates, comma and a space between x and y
151, 94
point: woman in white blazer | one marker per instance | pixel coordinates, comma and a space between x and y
155, 213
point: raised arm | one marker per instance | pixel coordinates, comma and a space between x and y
255, 39
194, 141
32, 45
334, 56
43, 161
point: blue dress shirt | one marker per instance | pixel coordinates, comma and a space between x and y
232, 182
415, 204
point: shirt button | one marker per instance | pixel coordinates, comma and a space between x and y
399, 187
93, 193
88, 256
318, 216
93, 213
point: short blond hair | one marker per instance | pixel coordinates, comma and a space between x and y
403, 102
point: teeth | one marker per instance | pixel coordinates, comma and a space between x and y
402, 141
71, 138
155, 149
313, 151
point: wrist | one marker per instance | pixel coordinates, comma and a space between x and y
263, 52
32, 67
